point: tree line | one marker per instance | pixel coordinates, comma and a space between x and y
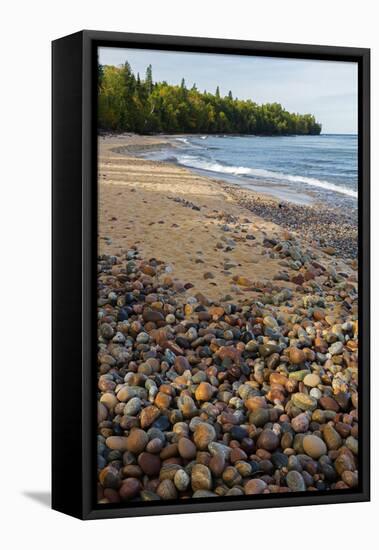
128, 103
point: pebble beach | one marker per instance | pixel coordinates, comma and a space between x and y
227, 337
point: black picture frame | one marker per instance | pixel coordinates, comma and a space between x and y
74, 206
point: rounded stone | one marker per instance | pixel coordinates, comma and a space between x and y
304, 402
255, 487
300, 423
329, 404
149, 415
187, 406
102, 412
314, 446
154, 446
204, 391
204, 434
106, 331
259, 418
231, 476
137, 441
295, 481
186, 448
166, 490
162, 400
350, 478
238, 433
312, 380
344, 462
296, 356
168, 471
352, 444
332, 438
201, 478
130, 488
133, 406
181, 480
109, 477
149, 463
117, 443
217, 464
268, 440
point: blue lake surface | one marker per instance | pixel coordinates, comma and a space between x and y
298, 168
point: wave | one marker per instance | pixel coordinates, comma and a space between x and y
196, 162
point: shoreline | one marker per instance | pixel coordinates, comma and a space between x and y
338, 226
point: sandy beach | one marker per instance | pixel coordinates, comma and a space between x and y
205, 230
227, 336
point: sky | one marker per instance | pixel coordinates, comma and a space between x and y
326, 89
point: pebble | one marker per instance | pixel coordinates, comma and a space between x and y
109, 477
204, 391
314, 446
312, 380
295, 481
133, 406
255, 487
117, 443
149, 463
332, 438
344, 462
328, 403
300, 423
166, 490
186, 448
204, 435
201, 478
350, 478
259, 418
129, 489
296, 356
268, 440
187, 406
304, 402
181, 480
352, 444
148, 415
336, 348
137, 441
217, 464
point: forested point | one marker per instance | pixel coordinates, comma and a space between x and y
128, 103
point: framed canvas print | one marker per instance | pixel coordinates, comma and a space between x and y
210, 275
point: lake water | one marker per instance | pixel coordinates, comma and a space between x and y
297, 168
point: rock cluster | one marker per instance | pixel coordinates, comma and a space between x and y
201, 399
334, 227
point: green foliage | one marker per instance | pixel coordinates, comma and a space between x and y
128, 103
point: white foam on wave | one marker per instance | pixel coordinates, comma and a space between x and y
196, 162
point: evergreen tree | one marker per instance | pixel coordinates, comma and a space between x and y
127, 103
149, 79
